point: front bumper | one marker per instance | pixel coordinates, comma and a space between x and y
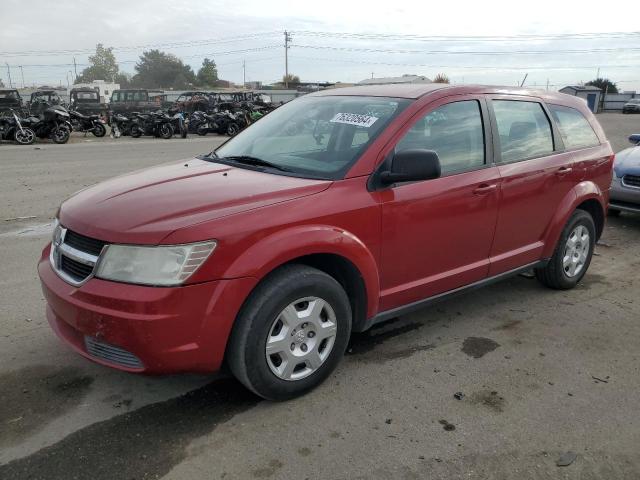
167, 330
624, 198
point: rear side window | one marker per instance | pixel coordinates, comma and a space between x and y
454, 131
524, 130
575, 129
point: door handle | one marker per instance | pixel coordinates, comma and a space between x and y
563, 170
485, 188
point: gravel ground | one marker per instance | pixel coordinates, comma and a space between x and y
542, 372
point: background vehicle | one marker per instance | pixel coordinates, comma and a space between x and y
42, 100
86, 101
132, 100
632, 106
11, 128
120, 125
274, 248
625, 185
87, 123
10, 99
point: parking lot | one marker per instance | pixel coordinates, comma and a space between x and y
541, 372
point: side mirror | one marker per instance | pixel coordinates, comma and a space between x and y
635, 138
412, 165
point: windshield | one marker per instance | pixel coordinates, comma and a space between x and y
318, 137
86, 96
635, 101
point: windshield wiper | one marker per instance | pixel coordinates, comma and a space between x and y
249, 160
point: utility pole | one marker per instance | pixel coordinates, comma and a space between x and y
22, 74
598, 73
287, 39
75, 67
244, 74
547, 84
9, 74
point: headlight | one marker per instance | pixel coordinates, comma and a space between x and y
162, 265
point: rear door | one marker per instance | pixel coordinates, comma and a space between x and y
437, 234
536, 175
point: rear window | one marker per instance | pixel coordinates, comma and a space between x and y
575, 130
524, 130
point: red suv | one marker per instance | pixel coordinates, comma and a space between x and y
337, 211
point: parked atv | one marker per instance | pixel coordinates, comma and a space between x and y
87, 124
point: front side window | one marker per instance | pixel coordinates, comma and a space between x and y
524, 130
317, 137
575, 129
454, 131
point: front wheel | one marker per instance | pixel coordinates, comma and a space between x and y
233, 129
166, 131
25, 136
99, 130
60, 135
572, 255
136, 132
291, 333
202, 130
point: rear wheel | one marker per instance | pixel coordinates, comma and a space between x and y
166, 131
291, 333
572, 255
60, 135
233, 129
202, 131
136, 132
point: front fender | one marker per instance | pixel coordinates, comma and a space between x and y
580, 193
299, 241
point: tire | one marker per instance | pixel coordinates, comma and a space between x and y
613, 212
99, 130
166, 131
25, 137
202, 131
136, 132
557, 274
183, 131
233, 129
258, 321
60, 135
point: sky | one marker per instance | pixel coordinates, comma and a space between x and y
552, 42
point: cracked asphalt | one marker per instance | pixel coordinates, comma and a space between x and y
540, 373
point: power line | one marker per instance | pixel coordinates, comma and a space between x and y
465, 38
466, 52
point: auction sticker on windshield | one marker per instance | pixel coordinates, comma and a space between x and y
354, 119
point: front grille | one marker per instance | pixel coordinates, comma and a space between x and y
111, 353
84, 244
631, 181
76, 270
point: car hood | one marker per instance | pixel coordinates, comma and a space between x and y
144, 207
627, 162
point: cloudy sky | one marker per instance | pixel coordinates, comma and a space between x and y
488, 42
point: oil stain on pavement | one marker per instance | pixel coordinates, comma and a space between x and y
477, 347
32, 397
145, 443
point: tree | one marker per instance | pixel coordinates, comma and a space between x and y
291, 79
208, 73
158, 69
123, 79
103, 66
1, 83
441, 78
604, 84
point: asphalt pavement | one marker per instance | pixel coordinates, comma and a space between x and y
538, 373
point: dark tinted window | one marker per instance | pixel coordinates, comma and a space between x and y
575, 129
454, 131
524, 130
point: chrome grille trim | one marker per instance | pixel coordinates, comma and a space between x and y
111, 353
60, 248
631, 181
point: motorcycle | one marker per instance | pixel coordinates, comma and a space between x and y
196, 119
157, 124
180, 124
223, 123
120, 125
87, 124
54, 124
12, 129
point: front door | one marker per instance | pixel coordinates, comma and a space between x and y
591, 101
437, 234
